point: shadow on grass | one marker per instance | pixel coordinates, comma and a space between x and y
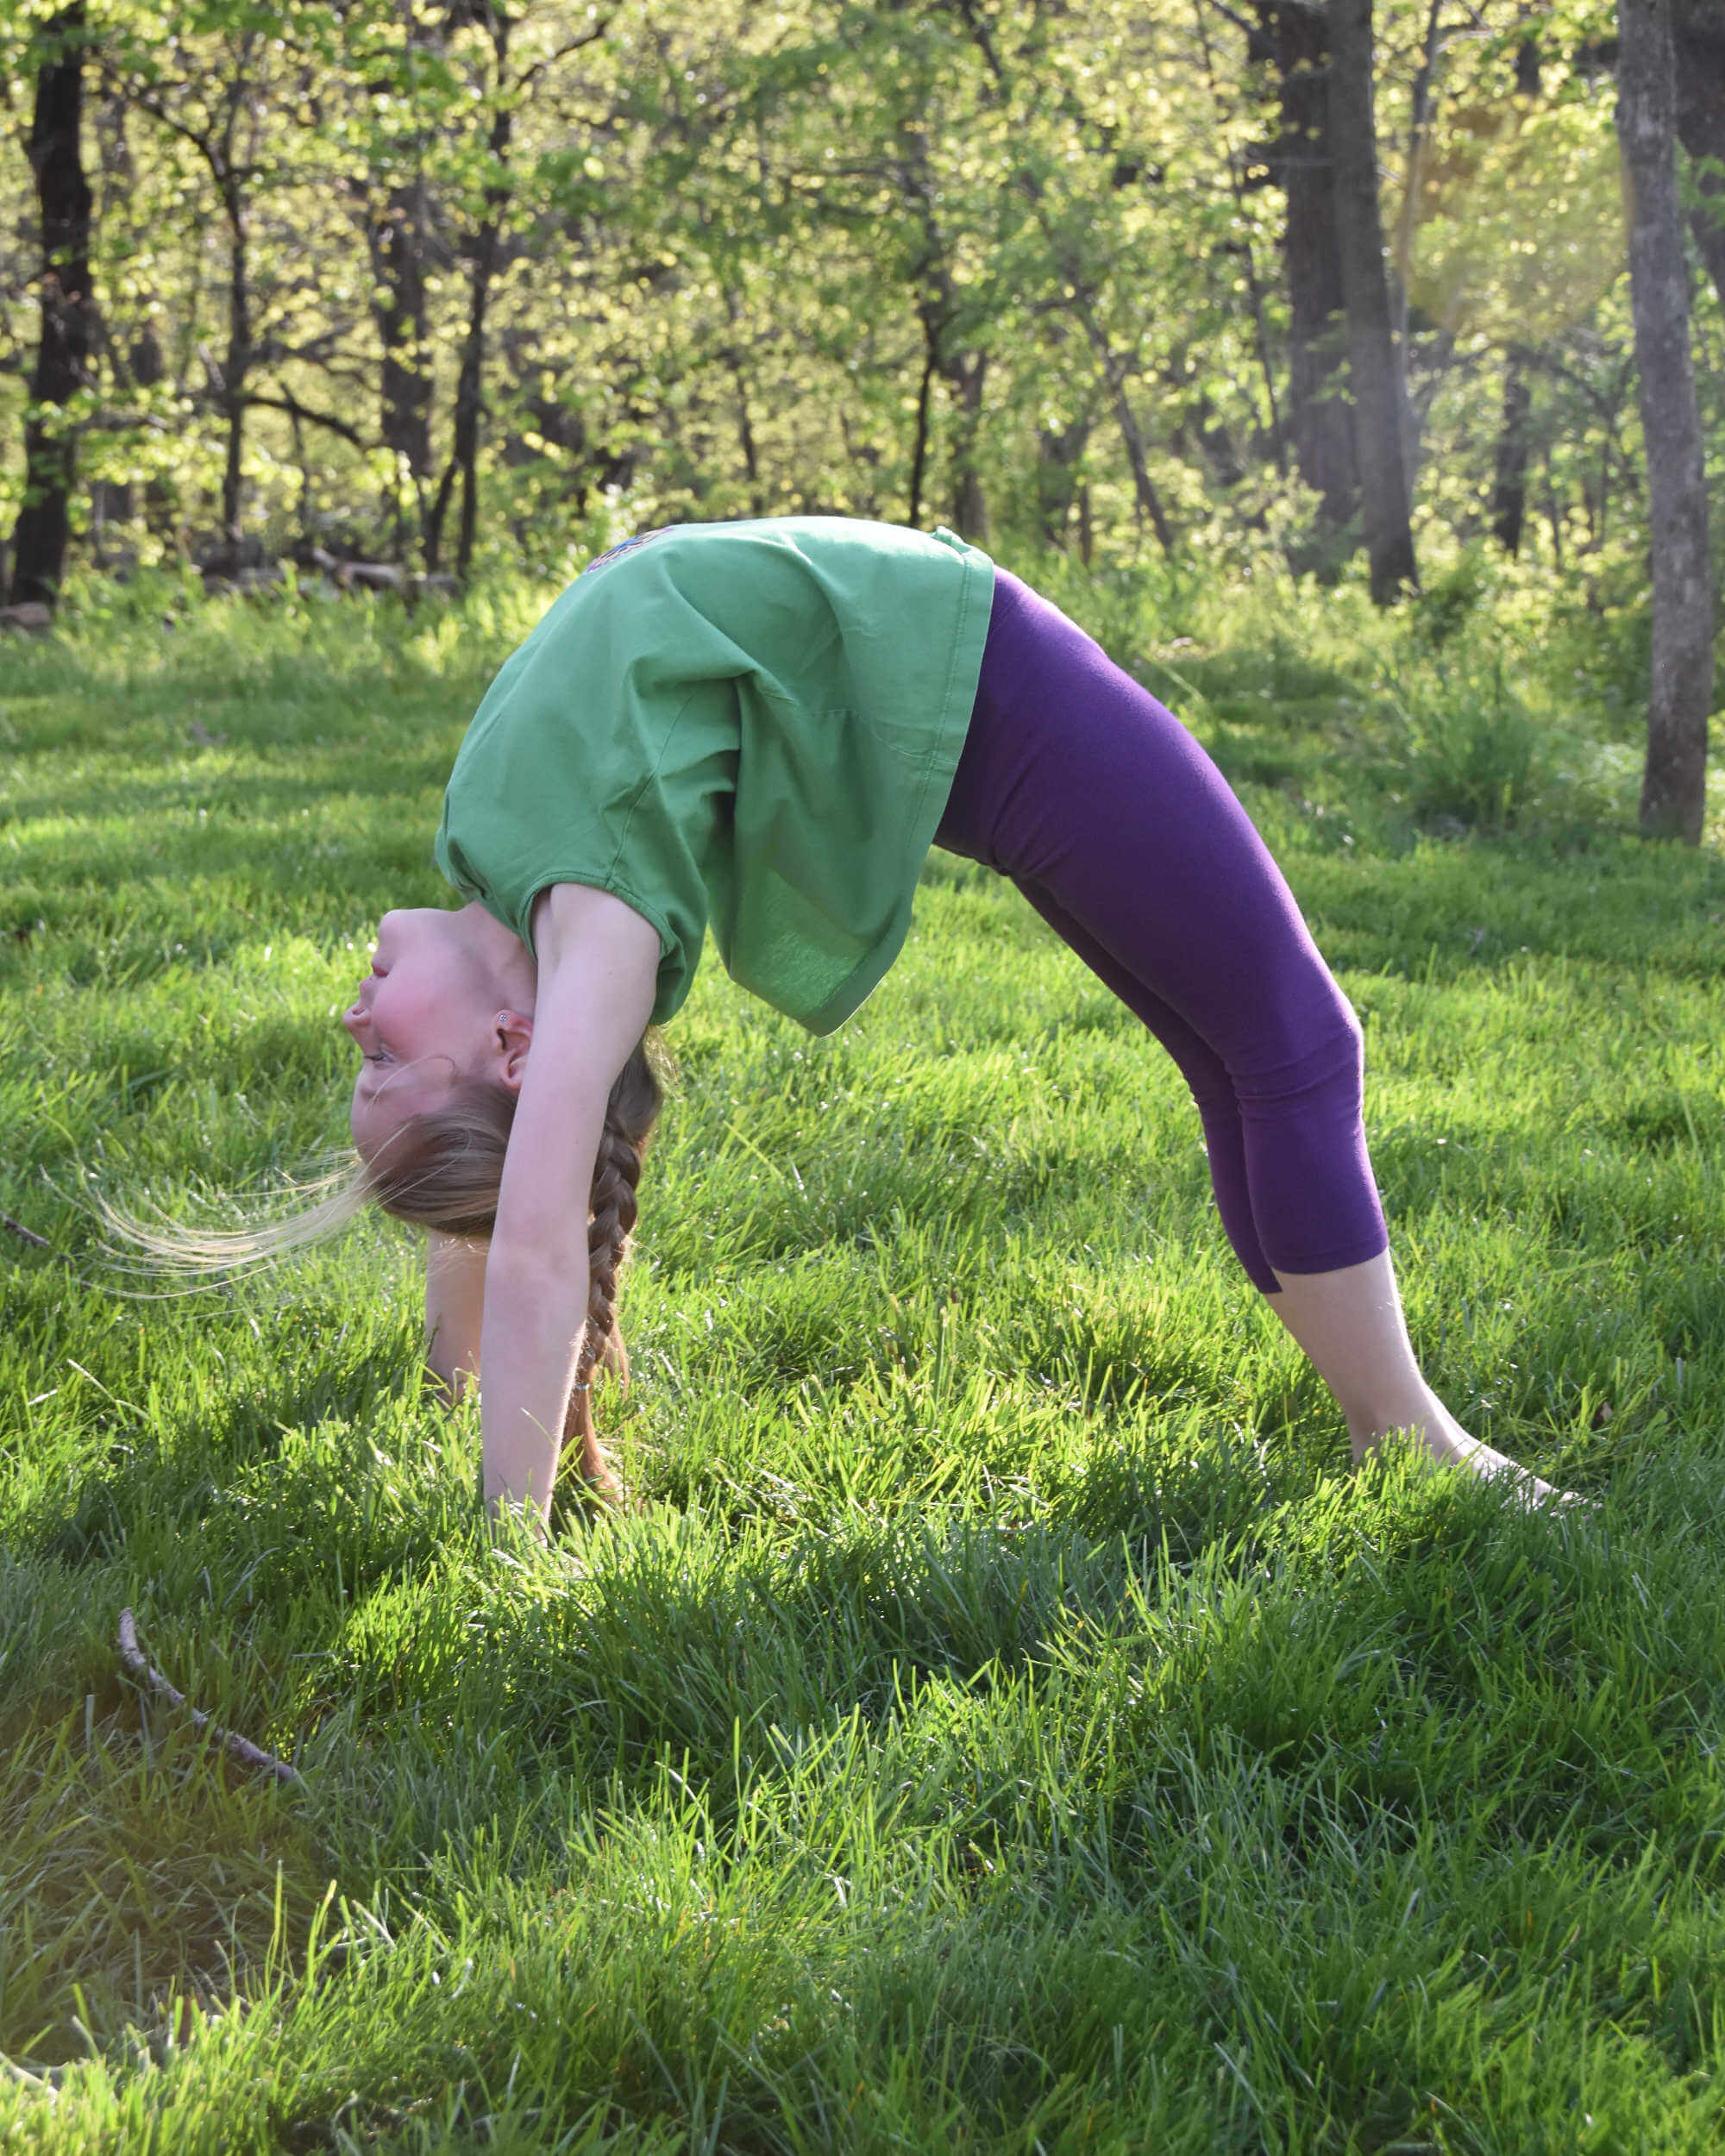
144, 1876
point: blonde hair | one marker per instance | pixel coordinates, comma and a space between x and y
442, 1169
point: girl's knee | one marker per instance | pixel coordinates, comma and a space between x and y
1319, 1048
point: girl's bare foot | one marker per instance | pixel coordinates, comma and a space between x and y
1447, 1444
1350, 1323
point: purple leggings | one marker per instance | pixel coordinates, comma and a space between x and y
1124, 837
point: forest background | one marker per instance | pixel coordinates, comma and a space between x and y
440, 287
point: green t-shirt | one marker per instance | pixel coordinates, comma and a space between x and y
756, 724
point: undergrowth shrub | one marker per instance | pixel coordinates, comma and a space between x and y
1467, 749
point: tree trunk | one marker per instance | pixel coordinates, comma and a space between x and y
1674, 787
235, 369
919, 448
1698, 32
1296, 36
398, 265
1423, 101
941, 313
963, 373
745, 420
68, 323
1145, 499
470, 401
1059, 450
1278, 446
1373, 376
1116, 374
399, 241
969, 505
1510, 483
470, 382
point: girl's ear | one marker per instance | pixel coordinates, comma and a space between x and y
512, 1031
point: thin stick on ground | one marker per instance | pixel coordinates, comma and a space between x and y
241, 1747
18, 1227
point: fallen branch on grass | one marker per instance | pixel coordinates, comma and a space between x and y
241, 1747
29, 1235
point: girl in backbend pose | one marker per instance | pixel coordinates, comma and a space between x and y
763, 727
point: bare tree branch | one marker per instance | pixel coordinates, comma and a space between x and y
575, 44
243, 1748
984, 43
1250, 29
295, 410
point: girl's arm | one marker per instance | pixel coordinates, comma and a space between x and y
598, 962
455, 1308
454, 1303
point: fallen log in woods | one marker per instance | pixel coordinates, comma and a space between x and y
221, 573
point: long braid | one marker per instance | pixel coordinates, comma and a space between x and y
631, 1114
612, 1214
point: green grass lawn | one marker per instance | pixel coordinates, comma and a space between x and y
1004, 1723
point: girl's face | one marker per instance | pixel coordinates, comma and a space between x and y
450, 995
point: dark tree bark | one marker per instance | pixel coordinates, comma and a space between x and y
920, 446
1510, 481
1278, 444
963, 373
1145, 498
399, 267
1373, 375
948, 355
948, 358
1059, 450
483, 253
401, 252
486, 253
237, 362
733, 357
1528, 68
470, 381
232, 175
1295, 37
1116, 376
1698, 34
131, 366
1673, 784
68, 313
1422, 103
966, 376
